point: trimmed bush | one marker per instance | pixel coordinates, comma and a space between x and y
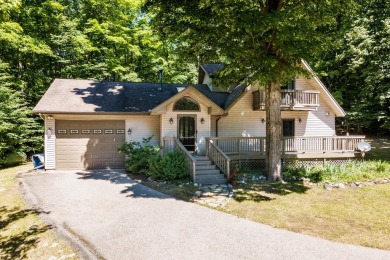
171, 166
13, 159
139, 154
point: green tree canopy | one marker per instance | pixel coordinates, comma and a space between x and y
263, 40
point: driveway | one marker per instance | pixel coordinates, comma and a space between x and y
116, 218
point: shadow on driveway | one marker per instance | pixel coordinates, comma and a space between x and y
118, 176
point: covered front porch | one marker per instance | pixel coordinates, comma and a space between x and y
229, 152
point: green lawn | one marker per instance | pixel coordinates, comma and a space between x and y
359, 216
22, 233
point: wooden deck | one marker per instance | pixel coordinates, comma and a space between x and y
319, 147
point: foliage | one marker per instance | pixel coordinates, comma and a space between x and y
171, 166
43, 40
233, 178
345, 173
13, 158
19, 132
261, 41
139, 154
358, 67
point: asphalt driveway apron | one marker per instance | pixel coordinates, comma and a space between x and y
116, 218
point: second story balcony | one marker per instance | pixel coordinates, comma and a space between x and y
291, 99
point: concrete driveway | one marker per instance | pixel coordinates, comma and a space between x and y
115, 218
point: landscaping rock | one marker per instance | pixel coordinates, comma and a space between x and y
353, 185
198, 193
378, 181
340, 186
328, 186
370, 183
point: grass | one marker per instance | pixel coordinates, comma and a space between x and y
358, 216
22, 233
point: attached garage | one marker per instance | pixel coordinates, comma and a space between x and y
89, 144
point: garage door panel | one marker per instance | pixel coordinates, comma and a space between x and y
86, 149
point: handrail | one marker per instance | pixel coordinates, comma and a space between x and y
191, 159
216, 155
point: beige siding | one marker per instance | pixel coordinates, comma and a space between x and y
50, 144
243, 121
170, 130
143, 126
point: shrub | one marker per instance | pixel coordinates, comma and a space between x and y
171, 166
13, 159
315, 174
138, 154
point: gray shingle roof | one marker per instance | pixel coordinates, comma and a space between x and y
88, 96
212, 68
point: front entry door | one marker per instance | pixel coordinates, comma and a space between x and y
187, 132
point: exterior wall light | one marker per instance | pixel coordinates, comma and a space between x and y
129, 131
327, 114
299, 120
50, 117
49, 132
263, 120
171, 120
202, 120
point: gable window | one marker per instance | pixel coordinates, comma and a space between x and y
186, 104
289, 85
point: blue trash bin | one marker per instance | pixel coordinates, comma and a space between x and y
38, 161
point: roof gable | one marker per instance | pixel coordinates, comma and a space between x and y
193, 93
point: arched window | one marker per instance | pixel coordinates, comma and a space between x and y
186, 104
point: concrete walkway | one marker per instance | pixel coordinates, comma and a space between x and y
119, 219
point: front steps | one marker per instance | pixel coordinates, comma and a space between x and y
207, 173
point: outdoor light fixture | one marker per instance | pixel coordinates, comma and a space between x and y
171, 120
49, 132
263, 120
50, 117
299, 120
327, 113
202, 120
129, 131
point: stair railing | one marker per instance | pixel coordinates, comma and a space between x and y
217, 156
190, 159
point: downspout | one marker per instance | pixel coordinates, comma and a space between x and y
216, 126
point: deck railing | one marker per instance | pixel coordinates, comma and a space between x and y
238, 145
290, 99
216, 155
321, 144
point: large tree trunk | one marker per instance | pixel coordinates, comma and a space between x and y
273, 132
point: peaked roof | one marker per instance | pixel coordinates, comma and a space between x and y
212, 68
89, 96
327, 96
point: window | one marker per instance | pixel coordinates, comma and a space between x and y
108, 131
97, 131
74, 131
186, 104
61, 131
289, 86
85, 131
120, 131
